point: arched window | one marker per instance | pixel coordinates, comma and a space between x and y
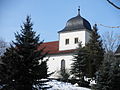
63, 65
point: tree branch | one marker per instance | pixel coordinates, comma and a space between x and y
109, 26
113, 4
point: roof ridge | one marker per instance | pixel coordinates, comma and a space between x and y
50, 42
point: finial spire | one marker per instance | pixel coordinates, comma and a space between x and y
79, 10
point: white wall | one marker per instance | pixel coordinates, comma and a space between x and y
54, 63
71, 35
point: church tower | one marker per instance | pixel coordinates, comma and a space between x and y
60, 53
77, 29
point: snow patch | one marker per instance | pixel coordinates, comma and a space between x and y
57, 85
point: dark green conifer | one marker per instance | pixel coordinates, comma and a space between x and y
78, 67
108, 76
115, 75
96, 52
23, 65
103, 75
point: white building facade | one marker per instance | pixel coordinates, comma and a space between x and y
61, 52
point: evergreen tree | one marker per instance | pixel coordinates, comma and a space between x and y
108, 77
22, 65
103, 75
78, 67
96, 52
115, 75
7, 72
64, 75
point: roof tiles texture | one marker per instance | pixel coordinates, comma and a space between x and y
53, 48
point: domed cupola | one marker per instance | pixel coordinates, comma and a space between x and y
77, 23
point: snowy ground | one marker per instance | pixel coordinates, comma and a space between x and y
57, 85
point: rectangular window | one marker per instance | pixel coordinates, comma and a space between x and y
66, 41
76, 40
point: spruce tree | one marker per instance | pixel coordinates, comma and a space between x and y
96, 52
115, 75
64, 75
103, 75
22, 65
108, 76
78, 67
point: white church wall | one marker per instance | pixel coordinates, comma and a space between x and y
54, 63
71, 36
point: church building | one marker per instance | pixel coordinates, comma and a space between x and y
60, 53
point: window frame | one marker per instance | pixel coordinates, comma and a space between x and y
76, 40
66, 41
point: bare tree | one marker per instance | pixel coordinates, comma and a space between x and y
3, 46
114, 5
110, 41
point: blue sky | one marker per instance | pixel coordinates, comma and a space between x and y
50, 16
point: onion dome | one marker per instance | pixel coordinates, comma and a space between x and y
77, 23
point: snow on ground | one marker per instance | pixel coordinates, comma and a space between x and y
57, 85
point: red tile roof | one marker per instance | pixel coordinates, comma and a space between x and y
53, 48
